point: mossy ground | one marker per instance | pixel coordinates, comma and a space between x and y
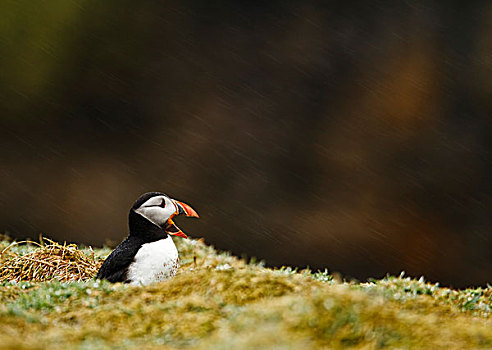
220, 302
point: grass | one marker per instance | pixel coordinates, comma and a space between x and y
218, 301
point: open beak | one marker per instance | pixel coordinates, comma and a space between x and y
181, 209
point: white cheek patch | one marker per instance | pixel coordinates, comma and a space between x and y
157, 200
156, 214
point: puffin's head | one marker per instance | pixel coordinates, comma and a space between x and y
160, 210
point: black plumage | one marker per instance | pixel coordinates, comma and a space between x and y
115, 267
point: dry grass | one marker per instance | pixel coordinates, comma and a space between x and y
49, 261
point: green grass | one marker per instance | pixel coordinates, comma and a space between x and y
218, 301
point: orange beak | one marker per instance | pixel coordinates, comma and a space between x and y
181, 209
185, 209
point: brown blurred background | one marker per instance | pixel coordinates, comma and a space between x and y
348, 136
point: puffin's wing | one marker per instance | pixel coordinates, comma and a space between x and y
115, 267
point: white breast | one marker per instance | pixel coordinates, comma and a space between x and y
156, 261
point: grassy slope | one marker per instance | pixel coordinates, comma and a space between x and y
219, 302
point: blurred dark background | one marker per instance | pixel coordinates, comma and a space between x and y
341, 135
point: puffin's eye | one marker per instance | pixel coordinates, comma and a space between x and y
163, 203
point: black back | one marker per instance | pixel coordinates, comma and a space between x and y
115, 267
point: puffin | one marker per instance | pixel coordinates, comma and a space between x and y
148, 254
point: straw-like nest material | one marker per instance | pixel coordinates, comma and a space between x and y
49, 261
